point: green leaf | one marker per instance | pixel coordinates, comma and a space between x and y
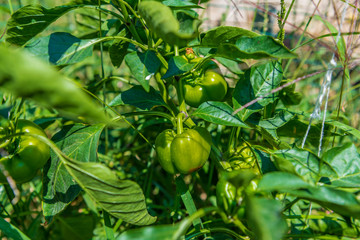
31, 20
76, 141
180, 4
281, 181
237, 44
224, 34
341, 202
232, 65
61, 48
164, 232
27, 77
280, 119
138, 97
123, 199
344, 127
345, 166
118, 48
257, 82
178, 65
298, 161
76, 227
160, 20
265, 220
218, 113
143, 66
11, 231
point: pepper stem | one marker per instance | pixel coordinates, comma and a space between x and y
180, 118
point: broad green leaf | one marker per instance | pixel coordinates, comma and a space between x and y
257, 81
138, 97
80, 143
118, 48
254, 48
342, 202
11, 231
143, 66
298, 161
178, 65
237, 43
345, 166
163, 232
233, 66
274, 141
27, 77
224, 34
180, 4
265, 220
281, 181
344, 127
61, 48
280, 119
30, 20
218, 113
123, 199
160, 20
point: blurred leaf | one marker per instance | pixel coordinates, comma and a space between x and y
11, 231
237, 44
178, 65
27, 77
123, 199
265, 220
218, 113
118, 48
61, 48
138, 97
78, 227
345, 166
257, 82
339, 201
160, 20
180, 4
334, 226
281, 181
76, 141
163, 232
143, 66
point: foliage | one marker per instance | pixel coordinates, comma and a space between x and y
117, 78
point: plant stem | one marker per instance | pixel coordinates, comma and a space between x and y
187, 200
108, 229
11, 7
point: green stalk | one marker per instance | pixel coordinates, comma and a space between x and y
188, 201
128, 21
179, 125
108, 228
11, 7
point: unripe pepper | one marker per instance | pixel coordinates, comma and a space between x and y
185, 151
30, 154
